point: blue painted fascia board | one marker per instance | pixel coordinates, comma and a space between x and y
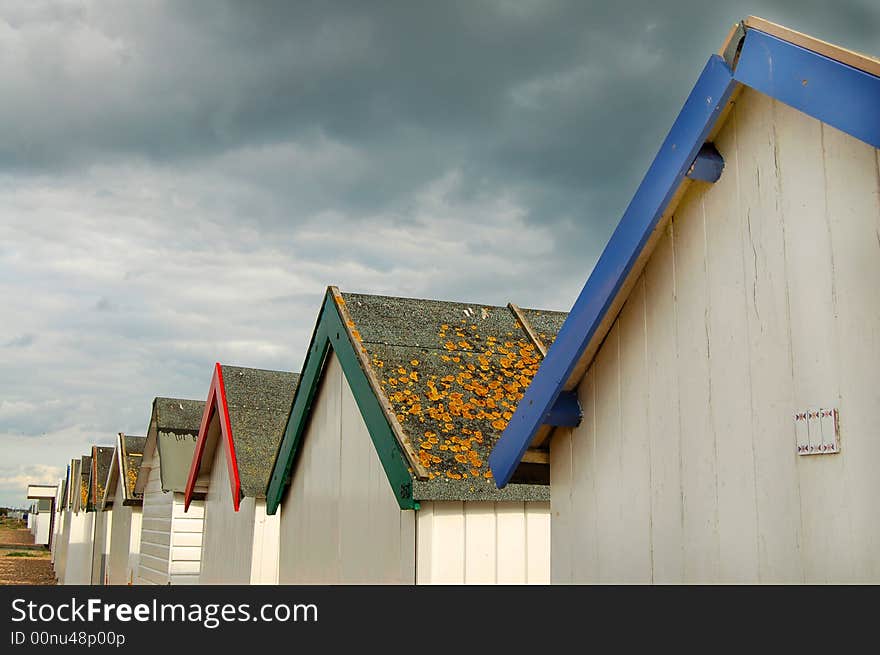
688, 133
828, 90
708, 165
566, 411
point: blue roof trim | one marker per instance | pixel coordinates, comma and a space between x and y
824, 88
828, 90
688, 133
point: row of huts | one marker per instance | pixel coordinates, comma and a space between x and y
708, 411
371, 466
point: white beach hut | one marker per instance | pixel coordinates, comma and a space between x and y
724, 349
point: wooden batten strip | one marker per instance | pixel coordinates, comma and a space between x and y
864, 63
527, 328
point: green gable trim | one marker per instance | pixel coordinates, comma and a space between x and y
332, 333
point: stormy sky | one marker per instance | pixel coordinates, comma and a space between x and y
179, 181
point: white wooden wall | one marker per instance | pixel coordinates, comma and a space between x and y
125, 541
171, 540
761, 299
102, 526
60, 556
41, 527
483, 543
239, 547
340, 522
78, 557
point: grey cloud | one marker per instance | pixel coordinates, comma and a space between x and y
21, 341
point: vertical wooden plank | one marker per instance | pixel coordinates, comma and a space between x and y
729, 374
562, 540
447, 546
635, 456
853, 206
764, 268
408, 553
424, 543
537, 543
356, 494
324, 462
584, 516
699, 479
610, 536
827, 528
480, 543
663, 417
512, 552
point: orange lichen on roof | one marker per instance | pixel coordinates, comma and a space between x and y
467, 398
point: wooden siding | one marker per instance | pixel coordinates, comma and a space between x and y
483, 543
125, 539
760, 300
171, 540
78, 566
340, 522
60, 556
228, 539
267, 540
102, 526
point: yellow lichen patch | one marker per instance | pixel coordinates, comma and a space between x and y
356, 335
466, 390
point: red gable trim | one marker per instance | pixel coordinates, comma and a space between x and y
216, 402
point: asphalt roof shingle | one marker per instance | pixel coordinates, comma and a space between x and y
453, 374
258, 402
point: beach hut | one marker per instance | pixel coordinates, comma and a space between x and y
78, 556
724, 349
242, 425
171, 541
43, 512
382, 473
124, 505
102, 456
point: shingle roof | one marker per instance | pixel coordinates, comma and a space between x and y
102, 458
132, 456
258, 402
84, 479
453, 373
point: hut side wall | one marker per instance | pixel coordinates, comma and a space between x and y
78, 566
340, 522
171, 539
186, 540
102, 526
759, 301
483, 543
228, 539
60, 558
125, 536
155, 546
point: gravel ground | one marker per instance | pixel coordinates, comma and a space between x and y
19, 566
